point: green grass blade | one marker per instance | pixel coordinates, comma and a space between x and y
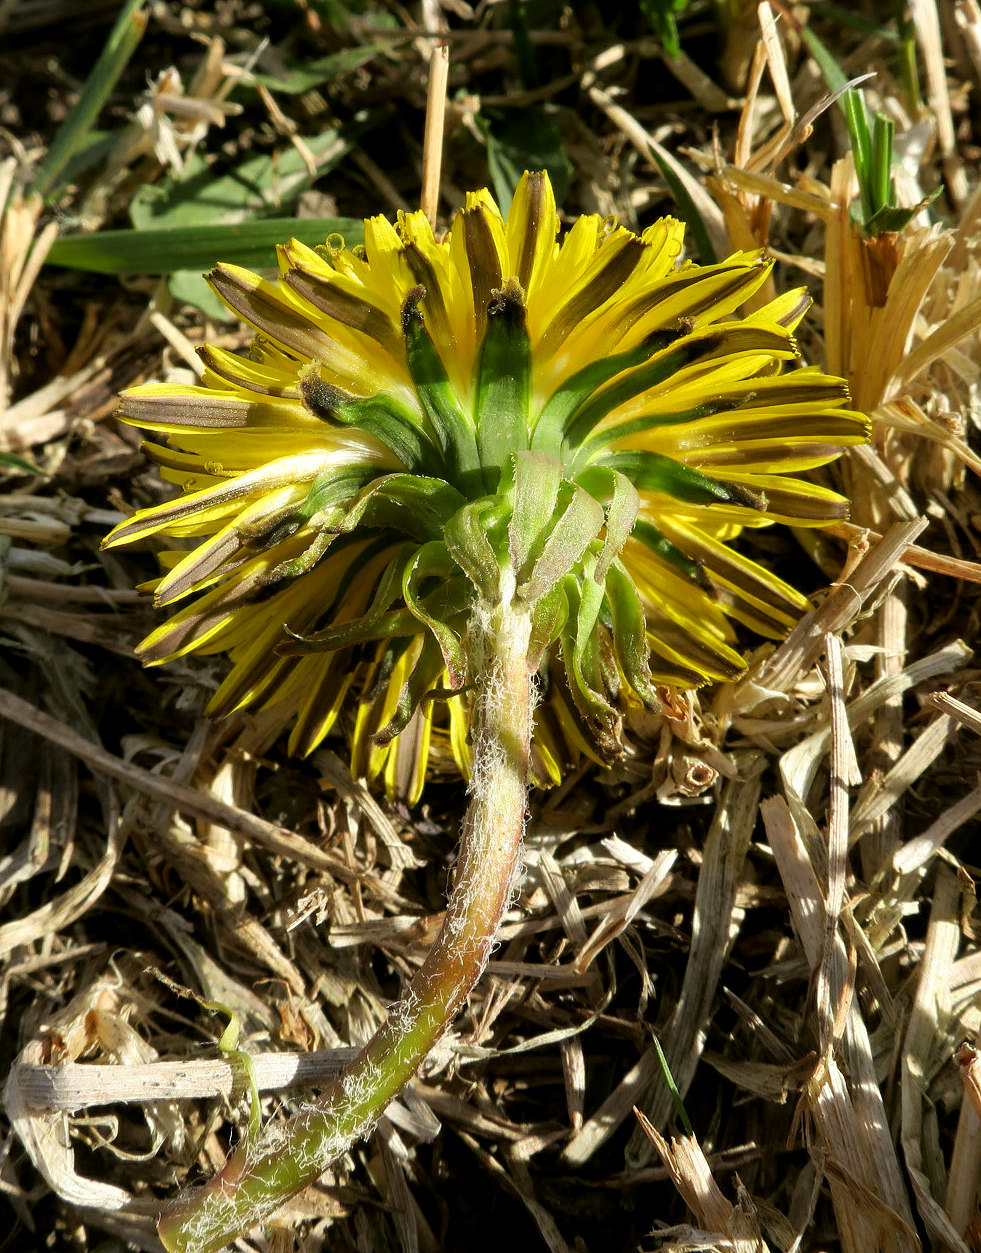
162, 251
120, 46
834, 75
10, 461
880, 181
671, 170
853, 106
679, 1105
314, 73
858, 127
846, 17
519, 140
909, 71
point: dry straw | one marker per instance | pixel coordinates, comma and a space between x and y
855, 739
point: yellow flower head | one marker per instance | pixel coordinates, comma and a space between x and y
420, 419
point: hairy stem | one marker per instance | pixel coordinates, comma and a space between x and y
259, 1178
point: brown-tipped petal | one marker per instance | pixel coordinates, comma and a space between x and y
342, 306
689, 659
588, 298
434, 305
205, 560
687, 294
538, 213
484, 261
166, 405
737, 572
252, 376
259, 303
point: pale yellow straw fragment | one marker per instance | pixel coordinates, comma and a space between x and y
692, 1176
916, 853
744, 134
901, 501
715, 925
764, 185
623, 910
848, 1118
803, 645
879, 795
876, 354
964, 1177
432, 147
916, 556
956, 709
716, 922
837, 301
776, 62
844, 771
926, 23
648, 147
905, 415
964, 322
926, 1043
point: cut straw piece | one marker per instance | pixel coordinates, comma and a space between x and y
926, 22
888, 727
849, 1117
199, 804
901, 502
743, 150
690, 1172
563, 902
81, 1085
916, 556
777, 63
623, 910
715, 923
965, 1161
956, 709
838, 230
879, 795
950, 332
844, 771
906, 415
773, 189
917, 852
803, 646
574, 1079
927, 1038
800, 764
178, 341
432, 146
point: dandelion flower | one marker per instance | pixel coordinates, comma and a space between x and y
454, 478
